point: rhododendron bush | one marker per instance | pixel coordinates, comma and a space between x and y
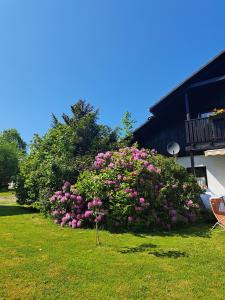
129, 188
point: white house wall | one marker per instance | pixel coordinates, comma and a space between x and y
215, 167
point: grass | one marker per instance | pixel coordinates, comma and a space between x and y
6, 193
39, 260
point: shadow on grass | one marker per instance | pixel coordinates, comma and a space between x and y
196, 230
158, 253
138, 249
169, 254
14, 210
202, 230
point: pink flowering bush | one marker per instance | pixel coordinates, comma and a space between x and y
69, 208
129, 188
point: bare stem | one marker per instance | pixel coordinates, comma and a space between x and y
97, 235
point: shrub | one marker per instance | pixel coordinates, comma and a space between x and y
62, 153
70, 208
132, 188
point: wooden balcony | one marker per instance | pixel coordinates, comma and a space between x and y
205, 133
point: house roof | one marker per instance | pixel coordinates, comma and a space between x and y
183, 85
186, 81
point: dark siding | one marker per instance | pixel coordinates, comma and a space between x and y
158, 137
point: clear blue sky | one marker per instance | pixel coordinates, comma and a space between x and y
117, 54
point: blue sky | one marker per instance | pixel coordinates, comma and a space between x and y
117, 54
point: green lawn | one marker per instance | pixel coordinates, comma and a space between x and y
39, 260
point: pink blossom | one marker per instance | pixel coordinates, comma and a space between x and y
142, 200
74, 223
64, 219
63, 199
145, 163
90, 205
158, 171
98, 218
130, 218
73, 197
79, 216
66, 185
143, 154
52, 199
79, 223
133, 194
58, 193
67, 195
88, 213
97, 202
79, 199
108, 154
138, 208
136, 157
151, 168
189, 203
67, 216
55, 212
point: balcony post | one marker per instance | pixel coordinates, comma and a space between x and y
187, 107
192, 162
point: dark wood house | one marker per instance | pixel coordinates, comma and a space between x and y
185, 115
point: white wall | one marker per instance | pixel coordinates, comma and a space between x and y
215, 166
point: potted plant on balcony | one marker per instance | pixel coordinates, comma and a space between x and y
217, 113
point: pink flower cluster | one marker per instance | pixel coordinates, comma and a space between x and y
95, 206
71, 209
101, 158
96, 202
126, 158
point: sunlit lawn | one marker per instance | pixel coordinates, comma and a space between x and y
39, 260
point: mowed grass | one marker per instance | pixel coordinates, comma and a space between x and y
39, 260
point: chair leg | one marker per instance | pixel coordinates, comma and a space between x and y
217, 223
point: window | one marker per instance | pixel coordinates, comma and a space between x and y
201, 175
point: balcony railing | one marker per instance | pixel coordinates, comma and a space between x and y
206, 130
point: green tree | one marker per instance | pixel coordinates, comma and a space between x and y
63, 152
13, 136
128, 125
126, 131
12, 149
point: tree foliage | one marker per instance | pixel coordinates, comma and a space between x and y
63, 152
13, 136
128, 125
12, 149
